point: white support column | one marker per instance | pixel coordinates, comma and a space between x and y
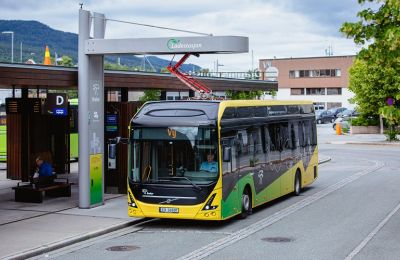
83, 117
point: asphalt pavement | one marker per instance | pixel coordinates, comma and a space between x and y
350, 212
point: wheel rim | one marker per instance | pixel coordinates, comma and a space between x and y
246, 202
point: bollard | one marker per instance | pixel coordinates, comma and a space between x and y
338, 128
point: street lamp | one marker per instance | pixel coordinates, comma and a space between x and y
12, 44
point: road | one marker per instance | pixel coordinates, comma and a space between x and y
350, 212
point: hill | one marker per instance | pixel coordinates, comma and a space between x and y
35, 36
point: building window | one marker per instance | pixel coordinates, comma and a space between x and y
334, 91
315, 91
297, 91
314, 73
333, 104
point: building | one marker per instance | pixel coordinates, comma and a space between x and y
324, 80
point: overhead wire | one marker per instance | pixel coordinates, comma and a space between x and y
159, 27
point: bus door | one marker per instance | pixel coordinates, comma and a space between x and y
230, 176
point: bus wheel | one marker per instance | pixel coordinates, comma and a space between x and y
297, 184
246, 204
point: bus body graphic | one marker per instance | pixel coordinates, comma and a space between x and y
212, 160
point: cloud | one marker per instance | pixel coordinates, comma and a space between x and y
286, 28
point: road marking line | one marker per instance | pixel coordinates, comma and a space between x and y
259, 225
372, 234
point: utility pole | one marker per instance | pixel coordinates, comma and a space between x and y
20, 52
252, 60
218, 65
12, 44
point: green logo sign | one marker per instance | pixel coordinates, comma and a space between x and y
175, 44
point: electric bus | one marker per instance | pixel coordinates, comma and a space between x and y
3, 138
73, 129
254, 151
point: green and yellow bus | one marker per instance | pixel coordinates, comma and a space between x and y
212, 160
3, 138
73, 129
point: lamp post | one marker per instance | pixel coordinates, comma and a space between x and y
20, 52
12, 44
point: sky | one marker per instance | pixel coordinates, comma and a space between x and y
279, 28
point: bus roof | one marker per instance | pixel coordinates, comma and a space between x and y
205, 112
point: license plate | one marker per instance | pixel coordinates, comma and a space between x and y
169, 210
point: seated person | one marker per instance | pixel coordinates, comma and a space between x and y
44, 172
210, 165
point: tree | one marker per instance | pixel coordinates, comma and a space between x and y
115, 66
66, 61
164, 70
375, 75
151, 95
253, 94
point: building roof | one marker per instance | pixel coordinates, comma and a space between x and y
316, 57
56, 77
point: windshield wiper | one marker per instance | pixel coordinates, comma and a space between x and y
185, 178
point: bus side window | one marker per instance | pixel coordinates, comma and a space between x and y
227, 166
300, 127
255, 146
230, 139
314, 133
293, 136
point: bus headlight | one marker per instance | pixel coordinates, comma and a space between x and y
208, 205
132, 201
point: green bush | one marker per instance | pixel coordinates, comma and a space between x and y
362, 121
391, 134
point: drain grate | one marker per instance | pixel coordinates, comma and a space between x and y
122, 248
278, 239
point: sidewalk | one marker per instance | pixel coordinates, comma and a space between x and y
30, 229
327, 135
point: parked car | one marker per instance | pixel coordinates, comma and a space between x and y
349, 113
336, 110
319, 107
325, 116
344, 122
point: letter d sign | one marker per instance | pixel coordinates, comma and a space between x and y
59, 100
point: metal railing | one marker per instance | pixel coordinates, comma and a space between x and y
250, 75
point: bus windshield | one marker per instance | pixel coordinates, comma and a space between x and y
174, 155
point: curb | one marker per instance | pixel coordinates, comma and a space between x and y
69, 241
365, 143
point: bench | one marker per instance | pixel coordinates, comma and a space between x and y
33, 193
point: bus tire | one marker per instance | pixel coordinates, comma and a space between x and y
246, 203
297, 183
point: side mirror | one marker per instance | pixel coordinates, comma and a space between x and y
227, 154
